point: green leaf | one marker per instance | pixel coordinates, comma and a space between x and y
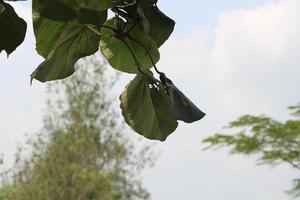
183, 108
54, 10
47, 32
119, 55
75, 42
99, 5
12, 29
96, 18
147, 108
161, 26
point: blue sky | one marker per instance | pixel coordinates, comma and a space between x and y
230, 57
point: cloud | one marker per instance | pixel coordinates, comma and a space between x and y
251, 66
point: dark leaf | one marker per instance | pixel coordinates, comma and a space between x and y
161, 26
96, 18
75, 42
147, 108
47, 32
54, 10
12, 29
99, 5
183, 108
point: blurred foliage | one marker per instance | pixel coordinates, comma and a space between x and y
273, 141
82, 152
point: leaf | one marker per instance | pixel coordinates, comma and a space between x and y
76, 41
12, 29
147, 108
99, 5
119, 55
54, 10
47, 32
147, 3
96, 18
161, 26
183, 108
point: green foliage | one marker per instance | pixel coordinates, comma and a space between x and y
182, 108
153, 117
79, 41
122, 52
273, 141
12, 28
67, 30
82, 152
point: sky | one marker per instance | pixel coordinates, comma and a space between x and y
230, 57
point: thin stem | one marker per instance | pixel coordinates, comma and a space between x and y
126, 5
133, 55
149, 55
93, 28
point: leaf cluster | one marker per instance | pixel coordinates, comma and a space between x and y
67, 30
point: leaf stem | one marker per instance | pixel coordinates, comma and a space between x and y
149, 55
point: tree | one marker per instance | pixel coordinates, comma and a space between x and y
67, 30
275, 142
82, 152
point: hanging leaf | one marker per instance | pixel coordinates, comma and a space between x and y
54, 10
119, 56
12, 29
75, 42
99, 5
96, 18
183, 108
47, 32
161, 26
147, 108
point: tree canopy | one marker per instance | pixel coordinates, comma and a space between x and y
273, 141
82, 152
67, 30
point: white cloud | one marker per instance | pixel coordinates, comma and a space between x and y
251, 67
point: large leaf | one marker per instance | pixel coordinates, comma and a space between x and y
54, 10
183, 108
47, 32
99, 5
12, 29
96, 18
76, 41
161, 26
147, 108
120, 56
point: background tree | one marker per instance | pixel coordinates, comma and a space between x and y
82, 152
275, 142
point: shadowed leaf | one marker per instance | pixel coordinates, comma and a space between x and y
147, 108
76, 41
12, 29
